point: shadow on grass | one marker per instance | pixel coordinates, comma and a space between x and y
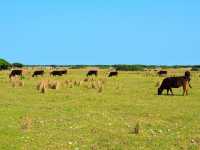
170, 95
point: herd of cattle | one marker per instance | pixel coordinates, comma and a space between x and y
36, 73
19, 72
167, 84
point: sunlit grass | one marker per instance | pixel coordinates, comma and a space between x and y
80, 118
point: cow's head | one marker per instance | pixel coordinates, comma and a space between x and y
160, 91
187, 74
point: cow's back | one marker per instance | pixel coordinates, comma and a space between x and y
16, 72
172, 82
92, 72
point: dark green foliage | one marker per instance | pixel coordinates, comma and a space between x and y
18, 65
4, 64
121, 67
129, 67
196, 68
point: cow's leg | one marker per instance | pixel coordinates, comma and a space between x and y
171, 91
187, 88
167, 91
184, 90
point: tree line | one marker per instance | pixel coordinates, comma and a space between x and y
121, 67
6, 65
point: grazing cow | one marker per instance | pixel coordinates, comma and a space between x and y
58, 72
38, 72
113, 73
176, 82
161, 73
16, 73
92, 72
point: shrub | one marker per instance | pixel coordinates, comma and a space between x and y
18, 65
4, 64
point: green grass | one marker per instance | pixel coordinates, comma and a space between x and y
81, 119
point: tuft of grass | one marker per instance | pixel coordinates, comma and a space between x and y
54, 85
16, 82
42, 86
26, 123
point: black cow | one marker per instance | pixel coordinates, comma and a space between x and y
92, 72
162, 72
176, 82
113, 73
16, 73
58, 72
38, 73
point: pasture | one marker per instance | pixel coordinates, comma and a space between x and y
81, 118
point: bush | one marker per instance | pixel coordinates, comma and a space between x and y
129, 67
4, 64
18, 65
195, 69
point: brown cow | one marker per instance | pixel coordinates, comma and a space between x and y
113, 73
38, 72
58, 72
92, 72
176, 82
16, 73
162, 72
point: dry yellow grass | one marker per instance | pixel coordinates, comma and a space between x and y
26, 123
54, 85
16, 82
42, 86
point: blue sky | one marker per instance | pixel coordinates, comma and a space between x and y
100, 31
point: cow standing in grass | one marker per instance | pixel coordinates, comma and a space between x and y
58, 72
92, 72
113, 73
162, 73
38, 73
16, 73
176, 82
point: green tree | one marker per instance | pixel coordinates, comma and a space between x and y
4, 64
18, 65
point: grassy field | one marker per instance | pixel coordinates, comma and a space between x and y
82, 118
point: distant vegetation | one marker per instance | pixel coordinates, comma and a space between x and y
121, 67
18, 65
196, 68
4, 64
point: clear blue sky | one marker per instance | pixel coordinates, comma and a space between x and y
100, 31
